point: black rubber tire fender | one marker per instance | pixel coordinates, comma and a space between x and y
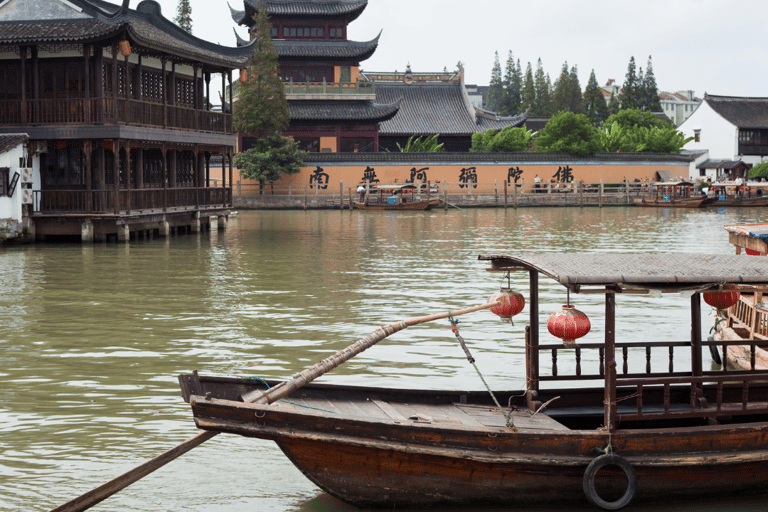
589, 481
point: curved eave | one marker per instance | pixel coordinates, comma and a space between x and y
64, 31
337, 111
293, 49
346, 10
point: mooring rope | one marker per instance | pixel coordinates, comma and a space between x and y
287, 401
455, 329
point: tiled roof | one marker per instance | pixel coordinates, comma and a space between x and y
435, 108
342, 111
94, 20
720, 164
12, 140
741, 111
299, 49
348, 9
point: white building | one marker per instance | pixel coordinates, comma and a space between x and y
731, 128
18, 176
678, 106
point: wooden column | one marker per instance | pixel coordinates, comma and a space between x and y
23, 113
116, 187
164, 85
128, 172
196, 174
88, 150
87, 84
609, 419
139, 168
230, 128
532, 342
696, 358
230, 153
166, 176
172, 169
115, 110
98, 84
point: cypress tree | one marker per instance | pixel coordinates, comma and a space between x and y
543, 102
629, 89
575, 101
529, 92
595, 107
261, 107
560, 91
184, 15
511, 88
495, 99
651, 101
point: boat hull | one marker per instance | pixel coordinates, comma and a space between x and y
365, 452
736, 202
675, 203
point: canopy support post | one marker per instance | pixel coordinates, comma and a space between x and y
610, 363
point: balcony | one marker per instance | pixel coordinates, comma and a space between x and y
360, 90
99, 111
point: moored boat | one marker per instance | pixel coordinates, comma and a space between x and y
670, 432
746, 320
673, 194
736, 194
395, 197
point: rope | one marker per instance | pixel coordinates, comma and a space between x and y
455, 329
289, 402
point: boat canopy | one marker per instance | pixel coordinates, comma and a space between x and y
665, 272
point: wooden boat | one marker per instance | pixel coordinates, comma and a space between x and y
733, 194
396, 197
747, 320
673, 194
597, 423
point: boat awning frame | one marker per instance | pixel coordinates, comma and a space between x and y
664, 272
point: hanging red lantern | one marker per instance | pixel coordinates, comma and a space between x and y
125, 47
243, 75
512, 303
569, 324
721, 300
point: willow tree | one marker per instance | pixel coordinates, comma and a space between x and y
261, 108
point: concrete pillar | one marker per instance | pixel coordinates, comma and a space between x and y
214, 223
223, 223
165, 228
86, 232
195, 226
28, 228
123, 234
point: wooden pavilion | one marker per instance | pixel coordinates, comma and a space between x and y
115, 102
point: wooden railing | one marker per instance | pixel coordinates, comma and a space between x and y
725, 391
749, 314
326, 88
79, 111
134, 200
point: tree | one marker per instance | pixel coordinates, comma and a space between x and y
270, 158
529, 91
560, 91
636, 118
629, 89
261, 107
184, 15
507, 140
422, 145
495, 99
542, 105
595, 107
614, 105
569, 133
651, 101
759, 171
512, 87
575, 101
632, 131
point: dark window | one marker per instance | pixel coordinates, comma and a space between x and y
273, 33
4, 181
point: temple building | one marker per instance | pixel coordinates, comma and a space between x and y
332, 108
113, 103
430, 104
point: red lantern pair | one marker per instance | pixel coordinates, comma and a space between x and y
512, 303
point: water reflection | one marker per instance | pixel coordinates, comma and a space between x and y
93, 337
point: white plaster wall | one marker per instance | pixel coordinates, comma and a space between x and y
718, 136
10, 207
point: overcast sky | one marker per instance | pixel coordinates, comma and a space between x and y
712, 46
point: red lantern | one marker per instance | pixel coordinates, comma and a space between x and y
721, 300
569, 324
512, 303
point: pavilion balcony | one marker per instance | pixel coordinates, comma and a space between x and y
100, 111
125, 201
362, 90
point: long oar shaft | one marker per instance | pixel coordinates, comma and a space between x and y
278, 392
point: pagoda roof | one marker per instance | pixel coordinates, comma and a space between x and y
326, 49
743, 112
432, 108
342, 111
89, 21
344, 10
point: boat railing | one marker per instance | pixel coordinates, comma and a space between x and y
636, 367
750, 316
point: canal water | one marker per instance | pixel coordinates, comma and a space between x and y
92, 337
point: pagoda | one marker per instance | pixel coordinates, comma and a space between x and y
332, 107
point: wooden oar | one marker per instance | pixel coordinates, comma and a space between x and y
278, 392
